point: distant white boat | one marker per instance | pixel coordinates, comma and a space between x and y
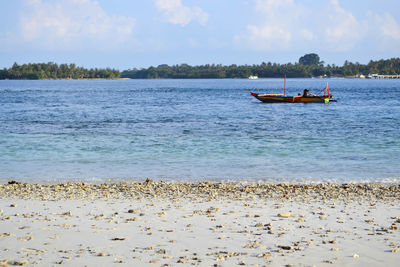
372, 76
253, 77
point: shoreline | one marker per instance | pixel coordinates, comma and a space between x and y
206, 189
236, 78
203, 223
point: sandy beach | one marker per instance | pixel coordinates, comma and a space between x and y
201, 223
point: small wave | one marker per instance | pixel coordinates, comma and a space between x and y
92, 179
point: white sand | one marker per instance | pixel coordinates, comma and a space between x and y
185, 232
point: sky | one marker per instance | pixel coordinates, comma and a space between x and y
127, 34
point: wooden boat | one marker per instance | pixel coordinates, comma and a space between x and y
301, 98
276, 98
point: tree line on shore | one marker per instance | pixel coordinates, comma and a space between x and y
308, 66
42, 71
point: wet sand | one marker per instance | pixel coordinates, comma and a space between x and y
201, 223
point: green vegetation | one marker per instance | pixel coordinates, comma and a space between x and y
309, 65
310, 59
51, 70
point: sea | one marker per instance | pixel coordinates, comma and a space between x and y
198, 129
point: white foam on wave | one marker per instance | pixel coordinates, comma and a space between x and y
301, 180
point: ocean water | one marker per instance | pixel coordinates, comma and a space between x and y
198, 129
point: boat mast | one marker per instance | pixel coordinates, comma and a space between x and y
284, 86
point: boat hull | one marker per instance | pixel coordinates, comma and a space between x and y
269, 98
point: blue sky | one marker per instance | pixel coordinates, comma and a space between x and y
141, 33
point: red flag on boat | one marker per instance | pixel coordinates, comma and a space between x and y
327, 91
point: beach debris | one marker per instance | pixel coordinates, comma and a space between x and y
160, 214
202, 211
220, 258
161, 251
26, 238
286, 247
133, 211
208, 190
254, 245
285, 215
67, 213
148, 181
118, 260
265, 255
181, 260
118, 239
17, 262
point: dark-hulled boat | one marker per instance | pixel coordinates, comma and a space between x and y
301, 98
276, 98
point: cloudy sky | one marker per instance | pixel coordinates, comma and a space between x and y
141, 33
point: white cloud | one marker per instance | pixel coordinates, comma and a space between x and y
388, 26
72, 24
385, 31
275, 30
343, 30
268, 36
176, 13
286, 25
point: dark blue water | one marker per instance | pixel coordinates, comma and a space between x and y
198, 129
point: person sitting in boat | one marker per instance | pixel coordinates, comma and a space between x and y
305, 92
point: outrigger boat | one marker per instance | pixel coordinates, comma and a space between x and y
300, 98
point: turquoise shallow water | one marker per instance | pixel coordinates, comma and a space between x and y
198, 129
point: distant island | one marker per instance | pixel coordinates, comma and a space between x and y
308, 66
43, 71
